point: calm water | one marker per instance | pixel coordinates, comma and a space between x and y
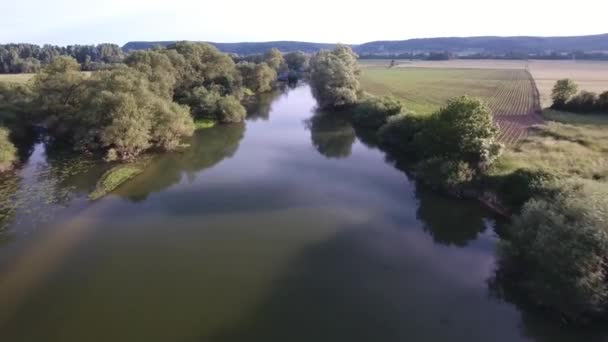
284, 228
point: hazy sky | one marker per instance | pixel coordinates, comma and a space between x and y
118, 21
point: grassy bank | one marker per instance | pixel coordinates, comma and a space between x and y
116, 176
204, 123
568, 145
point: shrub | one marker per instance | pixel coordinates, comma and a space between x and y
15, 97
374, 111
583, 102
560, 241
257, 77
8, 152
463, 130
230, 110
399, 134
209, 104
562, 91
518, 187
602, 102
445, 174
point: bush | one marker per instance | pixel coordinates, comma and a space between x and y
399, 134
448, 175
8, 152
583, 102
230, 110
602, 102
560, 242
257, 77
15, 97
463, 130
209, 104
334, 77
518, 187
562, 91
374, 111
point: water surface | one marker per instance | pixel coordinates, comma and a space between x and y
284, 228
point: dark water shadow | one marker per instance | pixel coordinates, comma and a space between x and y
260, 106
450, 221
331, 134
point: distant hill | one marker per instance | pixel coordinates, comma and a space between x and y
456, 45
245, 48
491, 45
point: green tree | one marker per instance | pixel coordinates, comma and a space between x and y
297, 61
230, 110
462, 130
374, 111
8, 152
159, 69
558, 247
204, 65
58, 89
274, 59
259, 78
562, 91
334, 77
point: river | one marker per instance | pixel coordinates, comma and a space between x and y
284, 228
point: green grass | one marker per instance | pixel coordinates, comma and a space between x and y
569, 145
114, 177
204, 123
424, 90
15, 78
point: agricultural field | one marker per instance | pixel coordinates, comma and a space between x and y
510, 93
15, 78
569, 145
589, 75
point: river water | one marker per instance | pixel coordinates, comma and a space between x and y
284, 228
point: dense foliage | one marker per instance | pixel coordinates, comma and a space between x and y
462, 130
297, 61
114, 110
565, 97
147, 103
258, 78
19, 58
8, 152
560, 247
373, 112
334, 77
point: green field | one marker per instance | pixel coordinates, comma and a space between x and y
424, 90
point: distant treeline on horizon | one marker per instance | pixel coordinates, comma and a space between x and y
22, 58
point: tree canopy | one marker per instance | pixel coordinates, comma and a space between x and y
334, 77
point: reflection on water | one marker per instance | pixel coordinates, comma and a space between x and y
207, 148
450, 222
332, 134
290, 226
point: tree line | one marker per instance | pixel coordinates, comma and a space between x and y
30, 58
148, 102
566, 97
555, 249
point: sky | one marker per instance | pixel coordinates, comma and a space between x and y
64, 22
